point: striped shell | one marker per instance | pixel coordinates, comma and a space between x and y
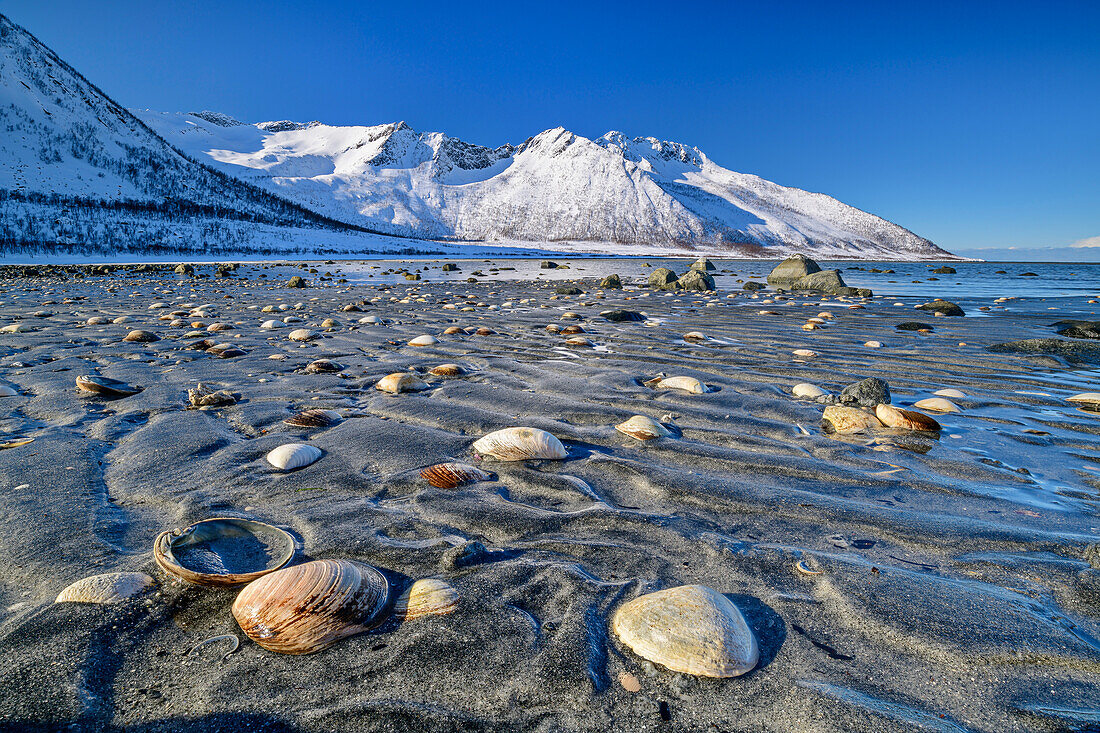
304, 608
143, 337
453, 475
426, 597
808, 391
223, 551
691, 629
447, 370
401, 382
687, 384
520, 444
105, 386
105, 589
293, 456
314, 418
643, 428
846, 420
895, 417
425, 340
301, 334
937, 404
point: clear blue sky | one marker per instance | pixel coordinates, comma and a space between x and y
974, 124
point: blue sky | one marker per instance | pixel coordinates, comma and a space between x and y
976, 125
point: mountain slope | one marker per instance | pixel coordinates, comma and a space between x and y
558, 187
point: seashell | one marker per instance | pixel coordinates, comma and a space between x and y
950, 393
425, 340
453, 331
1090, 400
105, 589
570, 316
937, 404
643, 428
426, 597
322, 366
199, 345
223, 551
370, 320
304, 608
695, 336
292, 319
453, 475
268, 325
520, 444
578, 341
687, 384
301, 334
225, 351
808, 391
895, 417
553, 328
6, 391
330, 323
691, 629
804, 568
447, 370
804, 352
810, 326
215, 327
139, 336
104, 386
873, 344
293, 456
573, 329
122, 319
97, 320
202, 396
483, 331
314, 418
846, 420
399, 382
15, 442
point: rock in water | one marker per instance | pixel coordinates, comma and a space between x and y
696, 280
945, 307
619, 316
866, 393
914, 326
703, 264
848, 420
1074, 351
449, 267
823, 281
548, 265
297, 282
611, 282
791, 269
568, 290
691, 629
752, 286
1078, 329
662, 279
945, 270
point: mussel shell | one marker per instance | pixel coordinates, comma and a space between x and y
106, 588
304, 608
520, 444
314, 418
105, 386
453, 475
198, 553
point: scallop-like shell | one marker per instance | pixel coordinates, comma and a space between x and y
315, 418
223, 551
453, 475
426, 597
293, 456
105, 589
691, 629
846, 420
399, 382
322, 366
643, 428
895, 417
301, 334
1089, 399
304, 608
953, 393
425, 340
808, 391
520, 444
447, 370
937, 404
687, 384
104, 386
141, 336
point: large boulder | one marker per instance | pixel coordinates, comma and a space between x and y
184, 269
297, 282
696, 280
1078, 329
822, 281
791, 269
703, 264
548, 265
945, 307
611, 282
866, 393
662, 279
449, 267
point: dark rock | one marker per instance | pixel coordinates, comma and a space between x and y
752, 286
791, 269
914, 326
822, 281
611, 282
184, 269
297, 282
860, 292
1074, 351
1029, 274
696, 280
450, 267
945, 307
945, 270
663, 279
412, 276
866, 393
618, 316
548, 265
1078, 329
703, 264
568, 290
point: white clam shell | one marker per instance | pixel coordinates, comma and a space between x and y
873, 344
847, 420
105, 589
425, 340
953, 393
520, 444
808, 391
1086, 398
293, 456
691, 629
804, 352
426, 597
272, 324
643, 428
687, 384
401, 382
937, 404
301, 334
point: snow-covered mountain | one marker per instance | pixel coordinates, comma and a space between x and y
612, 194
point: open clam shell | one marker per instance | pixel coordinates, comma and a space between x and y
426, 597
895, 417
105, 386
314, 418
520, 444
304, 608
691, 629
223, 551
453, 475
643, 428
106, 588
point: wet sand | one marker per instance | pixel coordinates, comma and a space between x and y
954, 591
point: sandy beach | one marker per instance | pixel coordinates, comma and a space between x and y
894, 581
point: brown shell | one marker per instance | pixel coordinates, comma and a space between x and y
225, 351
895, 417
314, 418
322, 366
453, 475
304, 608
199, 345
187, 553
570, 330
447, 370
104, 386
452, 331
141, 336
483, 331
